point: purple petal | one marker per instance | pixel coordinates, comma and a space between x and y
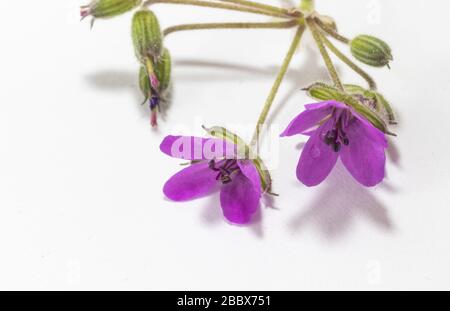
197, 148
306, 120
304, 123
239, 200
371, 131
364, 157
193, 182
317, 158
249, 170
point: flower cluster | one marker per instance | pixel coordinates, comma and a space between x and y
348, 122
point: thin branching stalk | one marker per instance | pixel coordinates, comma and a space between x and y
331, 32
276, 86
348, 62
224, 6
323, 51
265, 7
208, 26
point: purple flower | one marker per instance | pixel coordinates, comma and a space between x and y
215, 164
337, 130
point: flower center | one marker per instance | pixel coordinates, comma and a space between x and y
224, 170
336, 137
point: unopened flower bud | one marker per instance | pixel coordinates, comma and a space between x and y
322, 91
163, 69
146, 34
371, 51
159, 79
151, 95
151, 88
108, 8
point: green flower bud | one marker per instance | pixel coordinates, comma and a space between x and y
108, 8
371, 51
163, 69
322, 91
354, 89
148, 86
146, 34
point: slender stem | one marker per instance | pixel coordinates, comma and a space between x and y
348, 62
331, 32
276, 86
216, 5
207, 26
326, 57
264, 7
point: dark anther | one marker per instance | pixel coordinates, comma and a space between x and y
337, 146
226, 179
337, 137
334, 133
330, 137
224, 168
212, 165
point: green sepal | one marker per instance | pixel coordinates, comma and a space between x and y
163, 73
354, 89
379, 100
144, 83
112, 8
146, 35
366, 112
163, 70
322, 91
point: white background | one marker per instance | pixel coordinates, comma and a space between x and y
81, 174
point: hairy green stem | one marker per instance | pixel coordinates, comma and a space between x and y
323, 51
224, 6
331, 32
276, 85
265, 7
207, 26
348, 62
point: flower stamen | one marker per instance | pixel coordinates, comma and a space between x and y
224, 168
337, 137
